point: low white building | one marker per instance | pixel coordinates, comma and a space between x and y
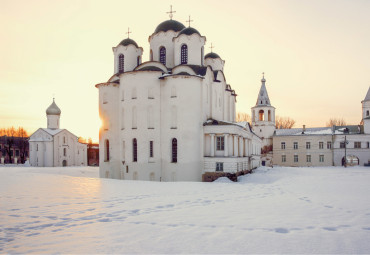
171, 118
52, 146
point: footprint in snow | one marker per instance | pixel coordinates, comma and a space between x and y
330, 228
281, 230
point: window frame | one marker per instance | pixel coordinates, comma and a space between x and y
308, 145
295, 145
283, 145
219, 166
184, 54
174, 146
134, 150
121, 63
220, 143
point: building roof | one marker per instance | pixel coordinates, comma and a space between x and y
127, 42
367, 97
53, 109
199, 70
189, 31
167, 25
212, 55
308, 131
150, 68
52, 132
263, 97
350, 129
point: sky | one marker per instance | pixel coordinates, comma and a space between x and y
315, 54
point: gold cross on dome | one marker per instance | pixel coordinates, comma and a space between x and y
171, 12
189, 20
128, 33
211, 47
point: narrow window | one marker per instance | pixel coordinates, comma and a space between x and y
174, 150
106, 150
269, 114
219, 166
37, 147
321, 158
295, 158
121, 63
367, 113
283, 158
321, 145
308, 158
357, 145
151, 153
220, 142
64, 139
328, 145
184, 54
295, 145
151, 55
342, 145
64, 152
368, 145
162, 55
308, 145
138, 60
283, 145
123, 149
261, 115
134, 150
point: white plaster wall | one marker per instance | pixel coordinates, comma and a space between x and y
163, 39
215, 63
194, 43
53, 121
362, 153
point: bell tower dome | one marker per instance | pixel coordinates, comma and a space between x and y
53, 116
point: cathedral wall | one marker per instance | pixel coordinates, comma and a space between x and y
188, 128
216, 63
130, 53
194, 43
163, 39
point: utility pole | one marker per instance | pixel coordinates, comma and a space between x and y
345, 151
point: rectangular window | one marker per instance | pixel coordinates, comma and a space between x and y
308, 158
220, 143
283, 158
283, 145
308, 145
151, 154
321, 145
368, 145
342, 145
219, 166
295, 145
295, 158
357, 145
17, 153
328, 145
11, 153
321, 158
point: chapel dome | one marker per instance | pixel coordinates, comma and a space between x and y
212, 55
169, 25
53, 109
127, 42
189, 31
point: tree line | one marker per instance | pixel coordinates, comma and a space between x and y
11, 138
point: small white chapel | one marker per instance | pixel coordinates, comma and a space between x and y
53, 147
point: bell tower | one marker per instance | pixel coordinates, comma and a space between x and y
366, 112
53, 115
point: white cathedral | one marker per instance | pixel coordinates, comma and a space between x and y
52, 146
173, 118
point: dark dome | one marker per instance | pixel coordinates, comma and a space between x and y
212, 55
128, 41
189, 31
169, 25
150, 68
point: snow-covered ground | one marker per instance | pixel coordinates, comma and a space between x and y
279, 210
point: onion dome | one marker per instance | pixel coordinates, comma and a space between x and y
169, 25
212, 55
53, 109
127, 42
189, 31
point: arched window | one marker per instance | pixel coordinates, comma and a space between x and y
134, 150
261, 115
151, 55
367, 113
269, 115
174, 150
121, 63
162, 55
184, 54
106, 158
65, 152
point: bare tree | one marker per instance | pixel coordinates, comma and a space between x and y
242, 116
9, 135
284, 122
336, 122
22, 142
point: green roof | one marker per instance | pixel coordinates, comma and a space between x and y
169, 25
189, 31
127, 42
212, 55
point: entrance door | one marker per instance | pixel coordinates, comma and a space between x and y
263, 162
64, 162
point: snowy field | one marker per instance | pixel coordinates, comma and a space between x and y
279, 210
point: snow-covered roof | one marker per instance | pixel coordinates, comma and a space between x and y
308, 131
52, 131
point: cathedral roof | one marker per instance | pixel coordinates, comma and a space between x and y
127, 42
169, 25
367, 97
263, 98
150, 68
212, 55
189, 31
53, 109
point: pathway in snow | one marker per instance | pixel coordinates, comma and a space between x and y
279, 210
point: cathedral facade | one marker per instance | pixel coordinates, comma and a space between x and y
171, 118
